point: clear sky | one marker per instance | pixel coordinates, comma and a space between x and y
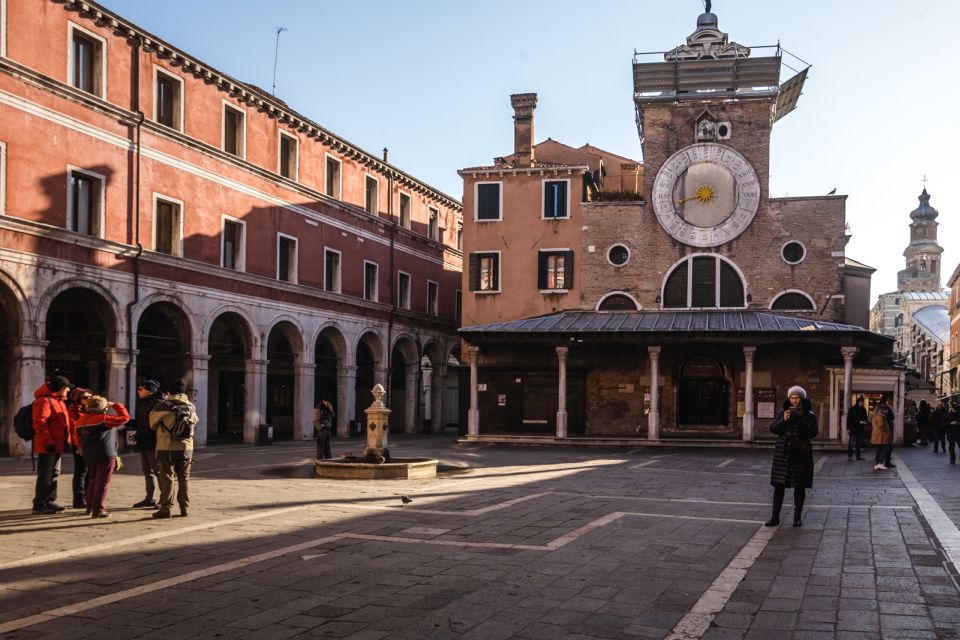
431, 80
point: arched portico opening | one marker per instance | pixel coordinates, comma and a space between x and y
703, 392
327, 361
163, 343
9, 378
369, 350
404, 386
229, 347
80, 326
283, 347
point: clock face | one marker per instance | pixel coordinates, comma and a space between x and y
706, 194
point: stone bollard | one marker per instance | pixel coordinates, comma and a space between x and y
378, 416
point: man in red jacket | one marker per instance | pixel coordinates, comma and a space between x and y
51, 427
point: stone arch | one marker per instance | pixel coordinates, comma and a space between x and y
368, 354
164, 339
293, 331
679, 282
617, 301
80, 326
791, 298
230, 342
330, 353
404, 377
283, 348
18, 300
117, 321
14, 383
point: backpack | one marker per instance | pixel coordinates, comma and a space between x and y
182, 428
23, 422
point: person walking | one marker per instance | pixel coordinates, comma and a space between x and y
795, 426
923, 423
952, 422
148, 397
51, 428
323, 415
881, 438
889, 417
81, 480
97, 440
856, 425
938, 427
174, 420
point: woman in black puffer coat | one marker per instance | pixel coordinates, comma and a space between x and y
795, 427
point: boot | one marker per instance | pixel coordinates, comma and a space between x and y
798, 497
777, 505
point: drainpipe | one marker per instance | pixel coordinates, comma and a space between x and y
393, 301
134, 212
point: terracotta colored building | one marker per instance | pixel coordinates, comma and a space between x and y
673, 300
160, 219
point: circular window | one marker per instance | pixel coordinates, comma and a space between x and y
618, 255
793, 252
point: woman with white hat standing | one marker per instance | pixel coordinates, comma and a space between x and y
795, 426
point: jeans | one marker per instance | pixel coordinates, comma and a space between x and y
148, 464
169, 469
48, 470
101, 471
324, 452
939, 439
855, 442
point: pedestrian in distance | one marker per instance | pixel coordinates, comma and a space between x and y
795, 426
148, 397
174, 421
97, 440
81, 480
923, 423
952, 422
51, 427
323, 415
939, 428
888, 415
856, 425
881, 437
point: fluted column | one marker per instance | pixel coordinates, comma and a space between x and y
473, 414
562, 393
653, 419
199, 393
848, 353
748, 415
255, 401
346, 398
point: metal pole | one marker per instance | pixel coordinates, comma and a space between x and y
276, 50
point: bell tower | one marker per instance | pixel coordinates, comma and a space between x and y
923, 254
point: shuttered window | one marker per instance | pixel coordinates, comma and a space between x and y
488, 201
484, 271
704, 282
555, 199
555, 270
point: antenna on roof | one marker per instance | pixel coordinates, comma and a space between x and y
276, 50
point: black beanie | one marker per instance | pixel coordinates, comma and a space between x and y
57, 383
151, 385
176, 387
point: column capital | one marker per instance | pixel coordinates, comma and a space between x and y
200, 357
849, 352
654, 352
347, 369
562, 352
473, 350
748, 352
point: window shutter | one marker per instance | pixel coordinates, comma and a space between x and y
548, 200
474, 274
561, 199
675, 291
542, 270
568, 270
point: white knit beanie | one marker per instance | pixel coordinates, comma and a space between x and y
797, 389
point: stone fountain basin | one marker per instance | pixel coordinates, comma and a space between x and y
404, 468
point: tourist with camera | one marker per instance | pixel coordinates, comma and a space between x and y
795, 426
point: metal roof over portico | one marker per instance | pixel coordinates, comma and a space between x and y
673, 324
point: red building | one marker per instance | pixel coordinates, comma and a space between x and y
160, 219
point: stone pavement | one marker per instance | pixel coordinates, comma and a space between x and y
518, 542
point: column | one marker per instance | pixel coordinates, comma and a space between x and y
748, 416
304, 401
346, 398
199, 393
562, 393
473, 414
438, 389
117, 361
847, 395
255, 401
31, 364
411, 398
653, 418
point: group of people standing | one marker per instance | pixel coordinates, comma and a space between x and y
942, 425
881, 432
66, 418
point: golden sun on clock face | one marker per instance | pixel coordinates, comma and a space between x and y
706, 194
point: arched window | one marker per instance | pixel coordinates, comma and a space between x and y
704, 281
933, 265
792, 301
923, 265
899, 321
617, 302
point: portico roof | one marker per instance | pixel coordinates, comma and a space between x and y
672, 324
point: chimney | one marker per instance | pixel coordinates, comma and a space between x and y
385, 152
523, 106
